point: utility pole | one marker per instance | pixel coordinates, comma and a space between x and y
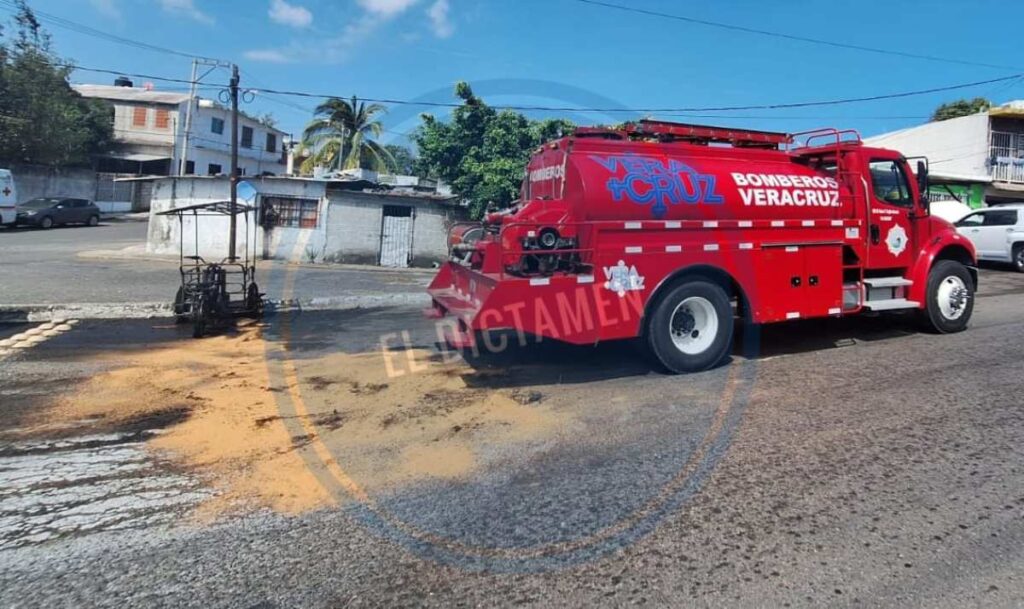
193, 102
234, 162
183, 161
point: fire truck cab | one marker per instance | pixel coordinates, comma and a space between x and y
668, 232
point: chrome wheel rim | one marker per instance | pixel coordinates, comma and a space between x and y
693, 325
952, 297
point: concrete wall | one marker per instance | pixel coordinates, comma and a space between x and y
34, 181
958, 146
348, 230
356, 220
430, 234
165, 232
206, 146
354, 225
125, 129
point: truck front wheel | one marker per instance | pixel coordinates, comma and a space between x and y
691, 327
950, 297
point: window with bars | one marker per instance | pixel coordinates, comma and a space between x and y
163, 119
290, 212
246, 137
139, 116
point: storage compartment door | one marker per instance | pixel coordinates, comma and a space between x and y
777, 287
823, 280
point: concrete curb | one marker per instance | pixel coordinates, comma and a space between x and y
152, 310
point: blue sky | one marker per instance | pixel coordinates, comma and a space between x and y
566, 53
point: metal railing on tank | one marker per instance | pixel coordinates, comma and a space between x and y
833, 137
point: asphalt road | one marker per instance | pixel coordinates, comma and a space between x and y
59, 266
863, 465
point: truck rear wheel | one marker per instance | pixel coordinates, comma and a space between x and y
691, 327
950, 298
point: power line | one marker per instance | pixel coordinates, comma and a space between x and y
133, 75
90, 31
777, 106
793, 37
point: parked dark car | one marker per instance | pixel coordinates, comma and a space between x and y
56, 211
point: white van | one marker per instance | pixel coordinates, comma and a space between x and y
8, 197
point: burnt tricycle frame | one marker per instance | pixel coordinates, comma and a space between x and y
213, 293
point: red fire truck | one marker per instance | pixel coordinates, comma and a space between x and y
669, 232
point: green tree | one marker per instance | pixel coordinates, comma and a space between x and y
42, 119
403, 161
481, 152
961, 107
341, 136
267, 119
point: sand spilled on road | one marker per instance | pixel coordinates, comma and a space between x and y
262, 430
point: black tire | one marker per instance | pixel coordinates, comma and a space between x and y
701, 298
200, 311
46, 223
181, 308
1018, 257
945, 281
254, 302
93, 221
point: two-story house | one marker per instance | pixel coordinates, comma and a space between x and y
150, 135
977, 158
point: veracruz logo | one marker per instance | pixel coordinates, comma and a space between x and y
655, 182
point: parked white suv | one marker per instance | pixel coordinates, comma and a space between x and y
997, 233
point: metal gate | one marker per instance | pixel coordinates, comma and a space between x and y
396, 236
1007, 157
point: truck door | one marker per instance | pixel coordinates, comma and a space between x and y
891, 201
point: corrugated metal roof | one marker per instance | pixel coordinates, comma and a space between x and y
131, 94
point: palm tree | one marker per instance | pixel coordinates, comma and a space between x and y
341, 136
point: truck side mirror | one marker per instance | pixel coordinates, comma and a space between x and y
922, 185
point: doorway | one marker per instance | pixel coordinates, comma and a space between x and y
396, 236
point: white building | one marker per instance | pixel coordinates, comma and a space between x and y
149, 131
351, 221
984, 151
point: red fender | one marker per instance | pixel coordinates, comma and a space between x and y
937, 248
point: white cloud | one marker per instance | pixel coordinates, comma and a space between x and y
340, 47
440, 19
269, 56
386, 8
290, 14
108, 8
186, 8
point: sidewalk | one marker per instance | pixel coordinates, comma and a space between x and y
141, 216
105, 272
150, 310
